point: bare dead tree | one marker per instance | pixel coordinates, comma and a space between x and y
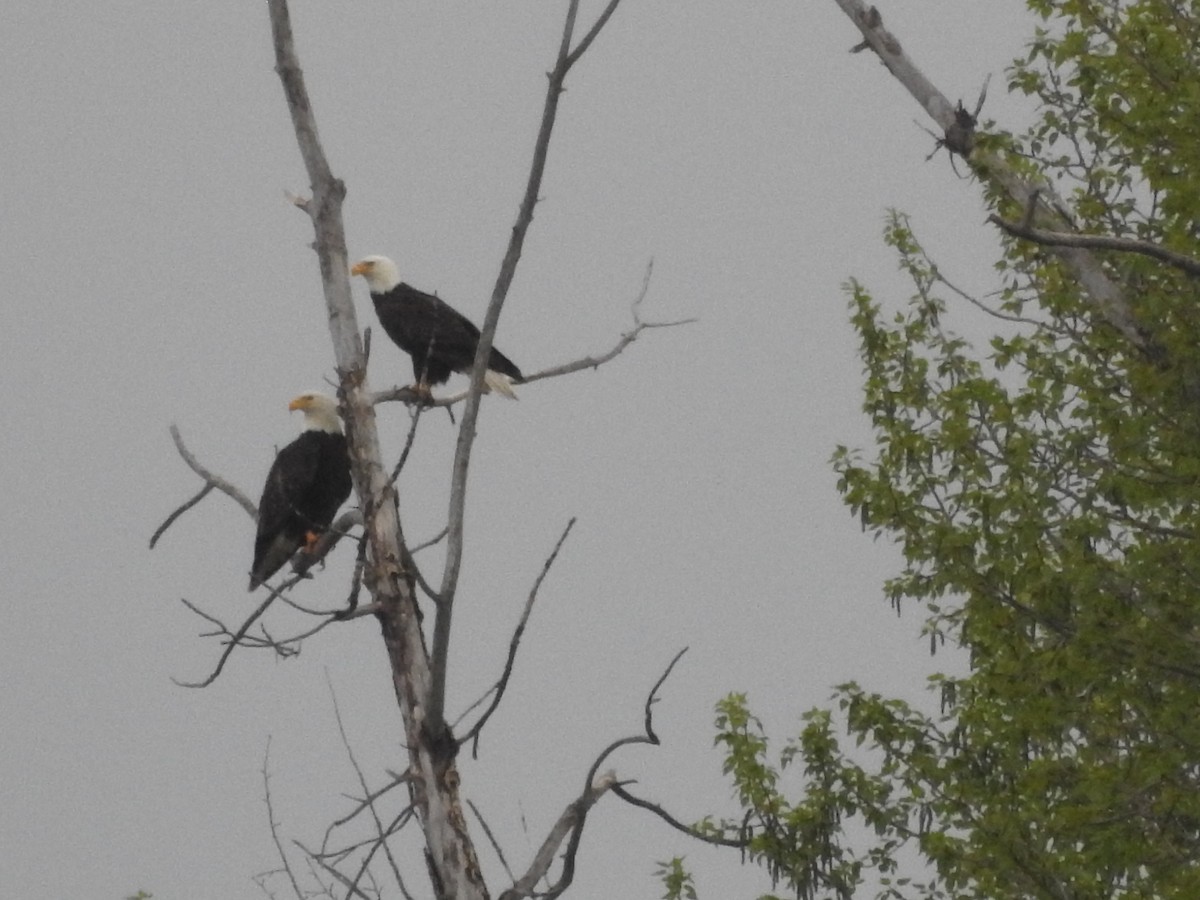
385, 566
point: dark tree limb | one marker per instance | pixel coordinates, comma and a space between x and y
719, 840
491, 839
648, 737
170, 520
466, 432
569, 827
1026, 231
497, 690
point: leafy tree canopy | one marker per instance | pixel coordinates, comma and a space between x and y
1045, 493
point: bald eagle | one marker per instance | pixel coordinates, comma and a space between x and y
308, 481
438, 339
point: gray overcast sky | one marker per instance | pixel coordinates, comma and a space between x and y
154, 273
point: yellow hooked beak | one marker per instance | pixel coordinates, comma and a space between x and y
361, 268
304, 401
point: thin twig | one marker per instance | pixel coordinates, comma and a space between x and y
408, 442
619, 790
436, 539
583, 45
492, 838
215, 480
397, 780
466, 433
497, 690
170, 520
370, 802
235, 640
338, 876
649, 737
287, 866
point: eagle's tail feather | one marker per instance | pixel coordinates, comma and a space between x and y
500, 383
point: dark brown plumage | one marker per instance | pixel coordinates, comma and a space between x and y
308, 481
438, 338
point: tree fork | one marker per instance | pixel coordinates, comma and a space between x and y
453, 865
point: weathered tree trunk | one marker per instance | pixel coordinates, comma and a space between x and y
453, 866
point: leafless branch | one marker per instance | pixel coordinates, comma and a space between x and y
170, 520
408, 442
406, 394
433, 541
569, 826
583, 45
360, 563
215, 480
619, 790
649, 737
287, 866
235, 638
211, 481
1098, 242
594, 362
497, 690
466, 432
492, 839
351, 889
395, 782
368, 802
282, 646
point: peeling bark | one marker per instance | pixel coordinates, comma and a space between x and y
453, 866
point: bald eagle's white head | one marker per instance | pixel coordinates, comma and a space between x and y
320, 412
381, 273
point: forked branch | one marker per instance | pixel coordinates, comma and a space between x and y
497, 690
211, 481
569, 827
567, 57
